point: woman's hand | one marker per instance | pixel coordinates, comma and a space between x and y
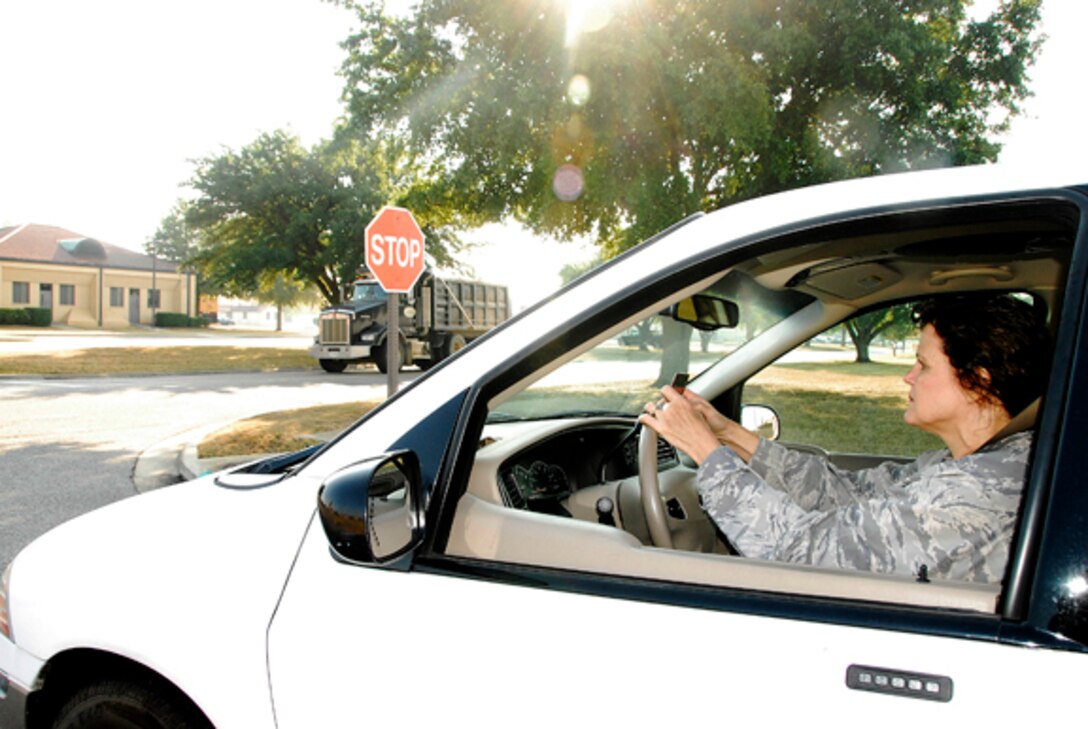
692, 424
680, 422
728, 432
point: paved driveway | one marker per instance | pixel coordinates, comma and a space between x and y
70, 445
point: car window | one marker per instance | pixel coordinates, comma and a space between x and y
627, 370
843, 389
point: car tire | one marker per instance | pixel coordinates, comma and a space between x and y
116, 703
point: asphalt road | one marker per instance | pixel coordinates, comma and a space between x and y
68, 446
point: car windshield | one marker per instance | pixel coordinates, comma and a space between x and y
621, 374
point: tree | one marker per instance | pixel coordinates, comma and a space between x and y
863, 329
571, 271
275, 207
174, 240
283, 291
673, 108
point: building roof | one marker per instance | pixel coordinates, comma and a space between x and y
50, 244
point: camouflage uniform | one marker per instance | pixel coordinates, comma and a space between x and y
954, 516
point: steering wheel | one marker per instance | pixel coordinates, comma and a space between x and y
650, 490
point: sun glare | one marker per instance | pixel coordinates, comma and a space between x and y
587, 16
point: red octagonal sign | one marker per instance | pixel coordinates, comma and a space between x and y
394, 249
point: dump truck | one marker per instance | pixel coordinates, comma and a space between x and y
437, 318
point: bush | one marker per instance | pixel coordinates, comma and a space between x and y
31, 316
40, 317
171, 319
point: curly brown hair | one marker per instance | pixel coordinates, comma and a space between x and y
998, 345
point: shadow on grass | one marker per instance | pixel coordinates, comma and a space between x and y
861, 369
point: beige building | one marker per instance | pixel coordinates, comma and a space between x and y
87, 283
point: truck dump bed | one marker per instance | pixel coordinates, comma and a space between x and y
468, 306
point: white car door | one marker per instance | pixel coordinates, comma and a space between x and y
354, 645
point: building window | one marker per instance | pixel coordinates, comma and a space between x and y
117, 296
67, 295
154, 297
20, 292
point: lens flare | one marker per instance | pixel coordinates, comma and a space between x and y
578, 90
568, 183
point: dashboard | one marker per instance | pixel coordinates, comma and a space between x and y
541, 476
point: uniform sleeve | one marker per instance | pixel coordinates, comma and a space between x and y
813, 482
941, 514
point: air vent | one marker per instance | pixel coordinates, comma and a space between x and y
511, 493
666, 454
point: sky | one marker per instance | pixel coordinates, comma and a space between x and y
104, 103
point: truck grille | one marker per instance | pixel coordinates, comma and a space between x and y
335, 329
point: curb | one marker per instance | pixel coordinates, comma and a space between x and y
174, 460
191, 466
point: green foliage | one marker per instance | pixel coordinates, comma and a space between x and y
175, 240
170, 319
571, 271
893, 321
674, 108
30, 316
277, 208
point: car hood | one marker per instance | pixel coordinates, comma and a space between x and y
189, 575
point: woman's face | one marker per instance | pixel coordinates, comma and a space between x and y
937, 402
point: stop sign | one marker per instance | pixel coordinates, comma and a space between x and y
394, 249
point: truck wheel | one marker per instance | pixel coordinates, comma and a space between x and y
454, 344
111, 703
333, 365
381, 360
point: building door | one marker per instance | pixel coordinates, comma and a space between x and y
45, 296
133, 306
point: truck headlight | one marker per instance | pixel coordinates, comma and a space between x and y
5, 614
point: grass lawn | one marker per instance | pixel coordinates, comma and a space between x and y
842, 406
155, 360
279, 432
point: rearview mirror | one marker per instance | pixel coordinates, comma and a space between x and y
706, 312
372, 511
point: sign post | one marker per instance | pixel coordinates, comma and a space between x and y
394, 255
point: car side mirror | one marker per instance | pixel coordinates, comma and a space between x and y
706, 312
761, 420
372, 511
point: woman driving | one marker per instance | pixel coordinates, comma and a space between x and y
981, 359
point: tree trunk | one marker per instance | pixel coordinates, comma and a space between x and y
675, 350
862, 346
